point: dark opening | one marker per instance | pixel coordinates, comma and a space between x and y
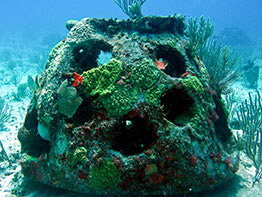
31, 120
83, 114
30, 140
134, 136
175, 103
222, 129
174, 59
86, 56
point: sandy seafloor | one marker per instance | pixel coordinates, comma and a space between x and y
12, 180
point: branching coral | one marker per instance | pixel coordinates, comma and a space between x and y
198, 33
249, 117
221, 65
3, 154
5, 112
132, 8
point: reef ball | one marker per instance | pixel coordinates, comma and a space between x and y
124, 109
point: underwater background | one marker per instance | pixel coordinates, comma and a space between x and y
30, 29
21, 16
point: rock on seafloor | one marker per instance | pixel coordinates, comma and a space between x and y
144, 122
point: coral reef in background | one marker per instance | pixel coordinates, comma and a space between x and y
233, 36
145, 122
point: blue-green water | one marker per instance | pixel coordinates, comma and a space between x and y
29, 29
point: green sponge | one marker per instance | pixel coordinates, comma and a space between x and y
104, 176
101, 80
